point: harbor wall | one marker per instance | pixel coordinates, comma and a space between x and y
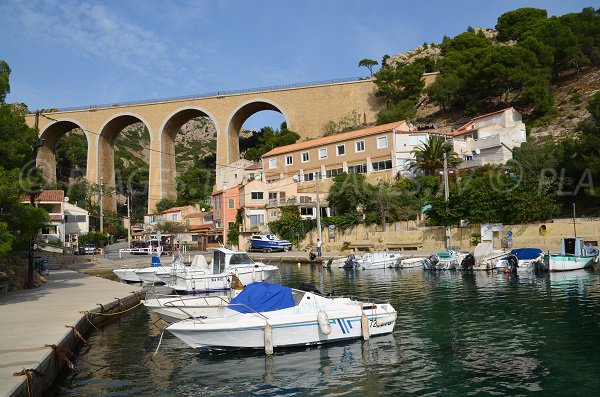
408, 236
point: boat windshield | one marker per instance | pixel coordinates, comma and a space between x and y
240, 259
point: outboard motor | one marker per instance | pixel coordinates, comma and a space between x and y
312, 256
433, 261
468, 262
350, 262
513, 263
328, 263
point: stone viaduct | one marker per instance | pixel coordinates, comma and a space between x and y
305, 107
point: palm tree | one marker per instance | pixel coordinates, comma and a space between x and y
430, 156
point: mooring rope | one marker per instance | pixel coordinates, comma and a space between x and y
116, 313
159, 342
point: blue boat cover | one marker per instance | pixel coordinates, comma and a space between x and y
525, 254
262, 297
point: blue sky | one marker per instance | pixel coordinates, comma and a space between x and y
67, 53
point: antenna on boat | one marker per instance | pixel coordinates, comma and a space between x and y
574, 228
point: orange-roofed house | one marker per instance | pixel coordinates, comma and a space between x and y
489, 138
66, 221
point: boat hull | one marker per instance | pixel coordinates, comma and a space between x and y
561, 263
154, 275
176, 308
304, 330
200, 282
127, 275
380, 261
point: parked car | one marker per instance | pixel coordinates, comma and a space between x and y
138, 244
89, 249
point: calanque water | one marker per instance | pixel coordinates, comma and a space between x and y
457, 334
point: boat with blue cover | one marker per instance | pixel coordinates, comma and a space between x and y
266, 316
521, 259
269, 243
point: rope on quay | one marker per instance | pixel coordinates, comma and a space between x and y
77, 334
57, 352
112, 314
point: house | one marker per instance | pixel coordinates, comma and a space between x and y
66, 221
226, 203
489, 138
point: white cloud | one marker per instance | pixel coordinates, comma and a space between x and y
96, 32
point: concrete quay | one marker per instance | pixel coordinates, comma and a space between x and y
37, 331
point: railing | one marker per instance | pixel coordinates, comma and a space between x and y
216, 94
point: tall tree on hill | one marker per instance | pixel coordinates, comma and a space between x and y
368, 63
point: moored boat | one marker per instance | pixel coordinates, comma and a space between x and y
270, 315
574, 255
173, 308
412, 262
219, 275
380, 260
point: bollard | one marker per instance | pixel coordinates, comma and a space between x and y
268, 340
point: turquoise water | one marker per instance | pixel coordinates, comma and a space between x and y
457, 334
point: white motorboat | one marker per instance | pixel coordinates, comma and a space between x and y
264, 316
521, 259
380, 260
156, 273
218, 276
412, 262
574, 255
444, 260
172, 308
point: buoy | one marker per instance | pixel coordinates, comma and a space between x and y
506, 270
323, 321
268, 340
364, 324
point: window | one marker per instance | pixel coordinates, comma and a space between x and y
273, 214
467, 157
382, 165
333, 173
309, 177
357, 169
360, 146
341, 150
231, 203
289, 160
306, 211
74, 218
257, 220
382, 142
257, 195
417, 139
305, 199
272, 163
272, 196
231, 225
322, 153
305, 157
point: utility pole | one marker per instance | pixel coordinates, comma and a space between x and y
101, 212
574, 227
446, 197
128, 218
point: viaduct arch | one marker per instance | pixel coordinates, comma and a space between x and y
305, 107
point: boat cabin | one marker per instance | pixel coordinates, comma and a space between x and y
572, 246
224, 258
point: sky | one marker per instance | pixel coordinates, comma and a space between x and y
66, 53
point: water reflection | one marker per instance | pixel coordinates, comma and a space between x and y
457, 333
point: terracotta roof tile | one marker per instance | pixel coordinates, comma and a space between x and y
334, 138
55, 218
48, 196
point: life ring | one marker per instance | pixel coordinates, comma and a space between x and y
543, 230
